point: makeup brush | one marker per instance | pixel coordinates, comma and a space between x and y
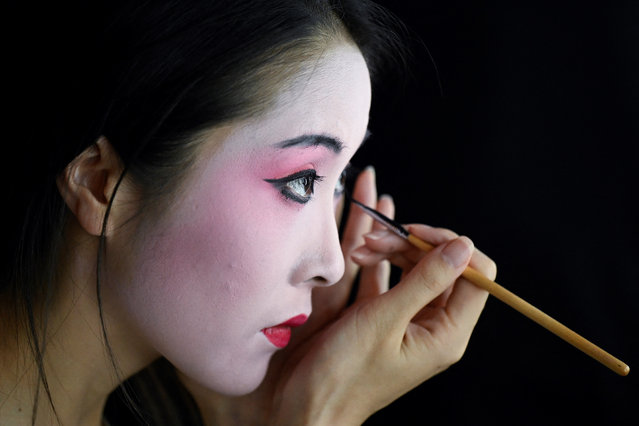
509, 298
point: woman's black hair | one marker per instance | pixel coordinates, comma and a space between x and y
149, 76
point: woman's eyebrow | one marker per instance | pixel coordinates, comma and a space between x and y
332, 143
329, 142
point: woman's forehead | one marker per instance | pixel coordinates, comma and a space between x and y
331, 103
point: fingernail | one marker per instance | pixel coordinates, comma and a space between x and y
457, 252
357, 255
376, 235
371, 169
386, 196
360, 253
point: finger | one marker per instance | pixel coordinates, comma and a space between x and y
484, 264
442, 300
329, 300
385, 244
386, 206
480, 262
374, 279
428, 279
359, 223
386, 241
433, 235
365, 257
466, 302
405, 260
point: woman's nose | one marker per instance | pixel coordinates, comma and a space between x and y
324, 265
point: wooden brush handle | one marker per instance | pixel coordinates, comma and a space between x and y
535, 314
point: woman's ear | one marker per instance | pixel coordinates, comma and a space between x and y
88, 182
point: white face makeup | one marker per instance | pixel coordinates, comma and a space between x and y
252, 233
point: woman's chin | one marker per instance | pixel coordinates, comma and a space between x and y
230, 383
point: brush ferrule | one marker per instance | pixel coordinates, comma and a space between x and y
394, 226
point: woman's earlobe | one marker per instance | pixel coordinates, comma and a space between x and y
88, 182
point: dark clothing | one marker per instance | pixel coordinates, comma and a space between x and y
158, 396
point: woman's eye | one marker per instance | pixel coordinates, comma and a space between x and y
302, 187
297, 187
341, 183
349, 172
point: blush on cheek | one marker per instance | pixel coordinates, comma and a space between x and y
215, 273
192, 301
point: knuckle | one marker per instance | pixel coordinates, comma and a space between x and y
433, 277
447, 233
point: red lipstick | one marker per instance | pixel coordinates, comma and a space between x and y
279, 335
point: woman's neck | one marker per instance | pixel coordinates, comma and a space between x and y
79, 371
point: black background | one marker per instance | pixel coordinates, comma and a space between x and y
529, 147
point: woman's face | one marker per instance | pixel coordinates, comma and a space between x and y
252, 232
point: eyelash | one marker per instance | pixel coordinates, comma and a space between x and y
284, 185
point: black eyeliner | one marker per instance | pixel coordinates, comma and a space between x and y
282, 184
302, 173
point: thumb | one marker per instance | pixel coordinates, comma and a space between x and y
437, 271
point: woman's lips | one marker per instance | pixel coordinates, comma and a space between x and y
279, 335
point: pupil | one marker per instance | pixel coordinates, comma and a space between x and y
307, 184
302, 185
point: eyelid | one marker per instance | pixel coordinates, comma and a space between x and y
296, 175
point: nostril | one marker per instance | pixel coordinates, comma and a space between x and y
321, 280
